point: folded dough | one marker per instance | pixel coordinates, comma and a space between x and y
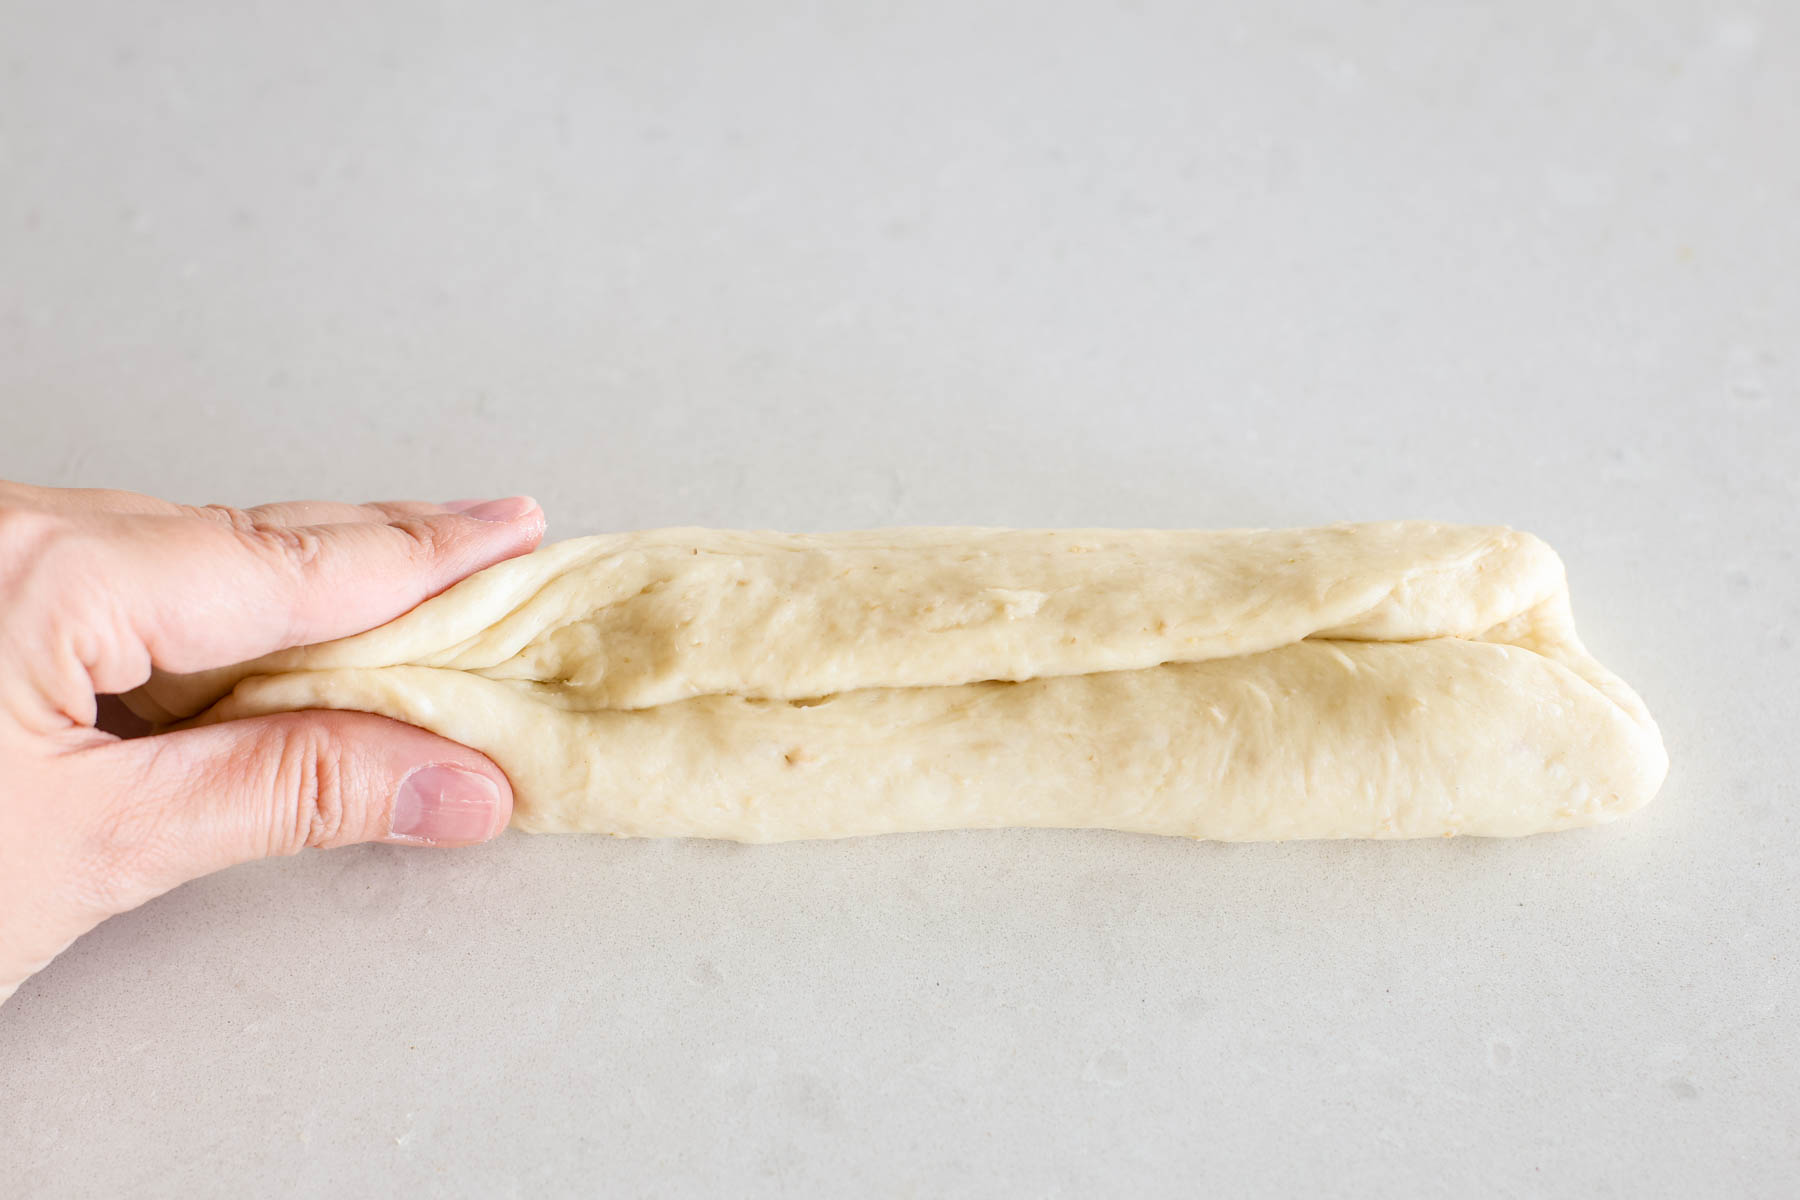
1402, 679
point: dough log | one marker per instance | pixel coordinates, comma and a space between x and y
1404, 679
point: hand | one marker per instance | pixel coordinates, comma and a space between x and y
97, 587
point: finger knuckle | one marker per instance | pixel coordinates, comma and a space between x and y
27, 534
310, 788
40, 555
423, 540
297, 544
292, 545
220, 514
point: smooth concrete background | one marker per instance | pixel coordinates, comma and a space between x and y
831, 265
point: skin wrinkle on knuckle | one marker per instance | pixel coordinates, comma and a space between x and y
310, 785
239, 519
424, 541
296, 544
291, 546
293, 555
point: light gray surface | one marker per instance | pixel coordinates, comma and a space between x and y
828, 266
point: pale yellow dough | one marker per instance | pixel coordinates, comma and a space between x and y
1404, 679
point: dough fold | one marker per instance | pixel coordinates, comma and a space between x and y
1401, 679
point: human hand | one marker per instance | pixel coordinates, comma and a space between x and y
96, 587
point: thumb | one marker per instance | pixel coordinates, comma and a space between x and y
194, 801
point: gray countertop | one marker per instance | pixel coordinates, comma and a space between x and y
825, 266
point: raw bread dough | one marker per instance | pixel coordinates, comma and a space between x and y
1403, 679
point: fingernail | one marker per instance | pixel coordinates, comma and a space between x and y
509, 509
439, 803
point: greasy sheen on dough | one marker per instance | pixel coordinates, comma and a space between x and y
1403, 679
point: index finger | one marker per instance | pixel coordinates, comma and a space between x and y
208, 593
